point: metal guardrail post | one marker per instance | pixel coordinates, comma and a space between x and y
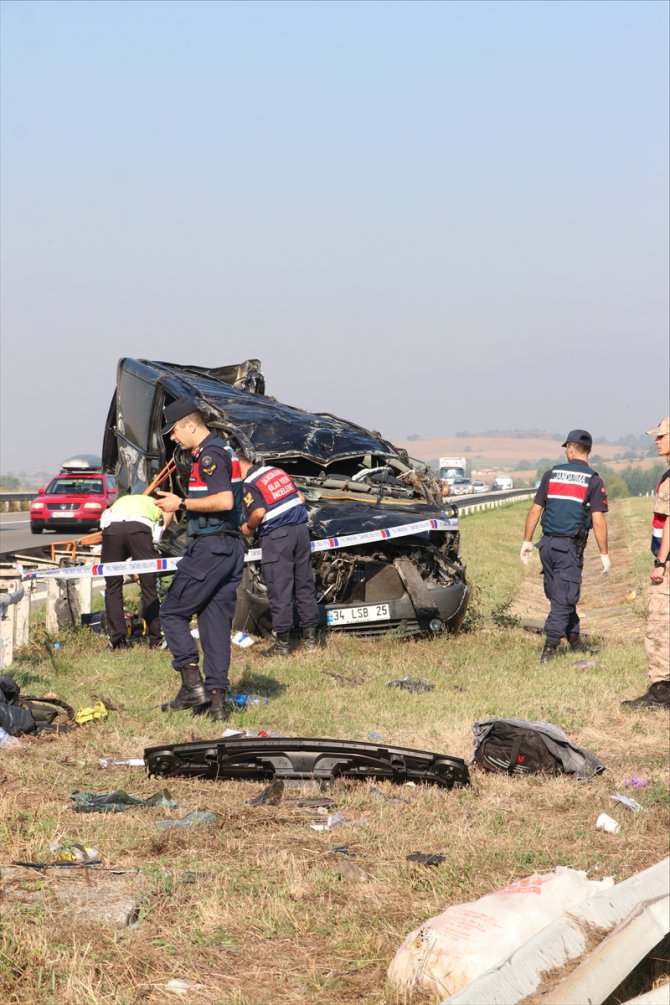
491, 500
14, 620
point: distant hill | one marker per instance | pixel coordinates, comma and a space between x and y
516, 455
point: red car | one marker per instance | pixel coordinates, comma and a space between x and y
75, 499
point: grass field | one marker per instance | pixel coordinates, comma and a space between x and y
255, 908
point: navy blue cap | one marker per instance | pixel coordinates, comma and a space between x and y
175, 411
579, 436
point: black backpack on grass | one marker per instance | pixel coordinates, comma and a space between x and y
517, 747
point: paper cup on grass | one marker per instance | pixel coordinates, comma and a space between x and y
606, 823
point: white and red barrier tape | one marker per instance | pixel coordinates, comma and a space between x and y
253, 555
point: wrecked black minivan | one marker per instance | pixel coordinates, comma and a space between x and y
386, 551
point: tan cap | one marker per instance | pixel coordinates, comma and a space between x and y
662, 428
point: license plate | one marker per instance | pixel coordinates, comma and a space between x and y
57, 515
352, 615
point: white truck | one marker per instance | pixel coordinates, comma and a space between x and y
502, 484
452, 468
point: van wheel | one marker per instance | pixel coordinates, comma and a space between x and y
34, 529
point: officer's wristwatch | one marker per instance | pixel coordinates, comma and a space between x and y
182, 506
658, 564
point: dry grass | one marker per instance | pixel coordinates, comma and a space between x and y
253, 908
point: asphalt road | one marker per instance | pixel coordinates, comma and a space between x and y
15, 535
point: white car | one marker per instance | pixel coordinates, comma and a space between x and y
478, 487
461, 487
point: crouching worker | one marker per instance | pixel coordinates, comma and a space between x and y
208, 575
130, 528
275, 508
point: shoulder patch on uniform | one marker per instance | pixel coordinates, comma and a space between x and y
248, 499
208, 465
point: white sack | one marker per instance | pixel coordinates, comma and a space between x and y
451, 949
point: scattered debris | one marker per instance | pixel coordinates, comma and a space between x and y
91, 713
71, 851
413, 684
520, 747
374, 735
193, 819
607, 824
589, 665
331, 821
424, 858
247, 700
348, 870
181, 986
14, 720
118, 801
271, 795
626, 801
121, 762
637, 783
314, 802
7, 740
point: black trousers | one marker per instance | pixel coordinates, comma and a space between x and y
122, 540
287, 570
205, 584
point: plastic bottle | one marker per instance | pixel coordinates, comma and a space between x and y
246, 700
6, 739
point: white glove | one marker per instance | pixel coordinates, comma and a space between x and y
607, 565
526, 551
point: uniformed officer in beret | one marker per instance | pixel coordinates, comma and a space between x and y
208, 575
275, 508
570, 500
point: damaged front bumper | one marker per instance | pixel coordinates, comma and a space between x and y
260, 759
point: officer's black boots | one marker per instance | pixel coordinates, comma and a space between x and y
309, 640
280, 647
219, 710
192, 692
550, 650
122, 643
658, 696
578, 645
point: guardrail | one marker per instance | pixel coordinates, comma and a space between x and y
474, 503
9, 500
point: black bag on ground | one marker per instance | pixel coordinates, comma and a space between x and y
518, 747
13, 718
21, 714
